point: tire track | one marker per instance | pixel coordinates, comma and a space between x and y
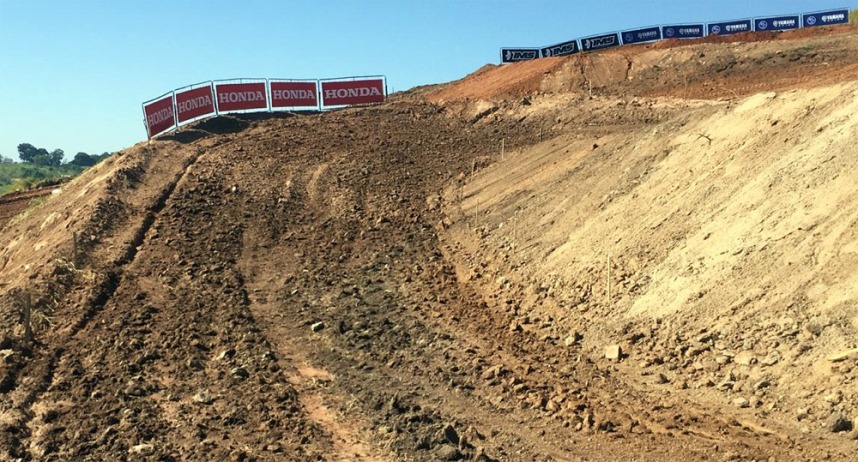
100, 294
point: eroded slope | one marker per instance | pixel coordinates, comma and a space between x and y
727, 236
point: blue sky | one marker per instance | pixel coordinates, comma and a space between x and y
73, 73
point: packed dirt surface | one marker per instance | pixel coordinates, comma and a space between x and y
517, 266
15, 203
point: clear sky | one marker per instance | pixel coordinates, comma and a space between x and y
73, 73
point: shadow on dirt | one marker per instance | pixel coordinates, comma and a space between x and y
222, 125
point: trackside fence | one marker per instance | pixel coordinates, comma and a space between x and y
677, 31
207, 99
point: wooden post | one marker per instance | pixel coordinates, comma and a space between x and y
609, 277
75, 259
28, 325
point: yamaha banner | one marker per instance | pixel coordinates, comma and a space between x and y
825, 18
641, 35
599, 42
514, 55
777, 23
561, 49
731, 27
684, 31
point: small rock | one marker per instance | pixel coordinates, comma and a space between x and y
710, 365
834, 398
570, 340
613, 352
801, 414
515, 327
762, 384
741, 402
203, 397
451, 435
446, 452
745, 358
491, 373
843, 355
771, 359
9, 356
838, 423
195, 364
317, 326
239, 373
226, 354
661, 379
142, 449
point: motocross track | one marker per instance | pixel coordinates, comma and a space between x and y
428, 279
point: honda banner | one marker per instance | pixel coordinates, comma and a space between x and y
514, 55
194, 103
240, 96
293, 94
731, 27
159, 115
778, 23
826, 18
683, 31
561, 49
599, 42
641, 35
344, 92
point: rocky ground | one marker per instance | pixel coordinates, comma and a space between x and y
336, 287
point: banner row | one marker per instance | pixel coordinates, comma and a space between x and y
651, 34
186, 104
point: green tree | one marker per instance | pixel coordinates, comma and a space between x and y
56, 157
84, 160
853, 17
26, 152
40, 156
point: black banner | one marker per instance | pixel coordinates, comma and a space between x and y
777, 23
641, 35
826, 18
599, 42
684, 31
730, 27
561, 49
514, 55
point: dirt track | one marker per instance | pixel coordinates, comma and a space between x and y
344, 287
13, 204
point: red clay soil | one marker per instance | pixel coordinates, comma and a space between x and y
708, 68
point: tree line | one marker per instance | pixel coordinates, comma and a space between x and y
40, 156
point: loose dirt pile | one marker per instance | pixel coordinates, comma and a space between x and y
427, 281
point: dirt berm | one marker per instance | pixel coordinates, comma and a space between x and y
441, 277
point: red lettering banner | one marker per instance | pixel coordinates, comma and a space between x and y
159, 115
194, 103
341, 93
293, 94
241, 96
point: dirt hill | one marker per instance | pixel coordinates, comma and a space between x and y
429, 279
